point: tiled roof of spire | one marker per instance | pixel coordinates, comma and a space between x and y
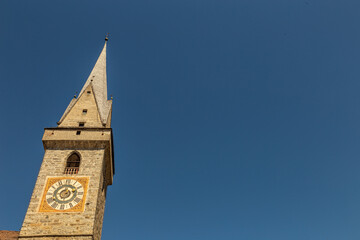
7, 235
97, 79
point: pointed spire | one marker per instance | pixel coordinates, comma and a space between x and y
97, 79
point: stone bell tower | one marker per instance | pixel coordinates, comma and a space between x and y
68, 200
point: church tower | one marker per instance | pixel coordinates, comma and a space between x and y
68, 200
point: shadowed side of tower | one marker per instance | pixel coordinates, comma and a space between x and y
68, 199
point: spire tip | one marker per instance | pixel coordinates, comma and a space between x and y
107, 37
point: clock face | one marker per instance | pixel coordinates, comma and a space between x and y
64, 194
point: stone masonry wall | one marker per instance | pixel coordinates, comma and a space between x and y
91, 118
59, 238
99, 215
55, 223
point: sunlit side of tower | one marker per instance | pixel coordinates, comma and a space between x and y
68, 199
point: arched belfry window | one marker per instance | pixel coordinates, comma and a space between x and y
72, 164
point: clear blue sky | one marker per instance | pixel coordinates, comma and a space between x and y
232, 119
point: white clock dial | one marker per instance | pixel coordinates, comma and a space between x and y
64, 194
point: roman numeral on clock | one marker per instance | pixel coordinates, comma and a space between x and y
64, 194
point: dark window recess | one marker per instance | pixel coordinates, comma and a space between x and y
88, 92
72, 164
81, 124
78, 132
84, 111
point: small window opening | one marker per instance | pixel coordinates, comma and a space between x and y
81, 124
78, 132
88, 92
72, 164
84, 111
